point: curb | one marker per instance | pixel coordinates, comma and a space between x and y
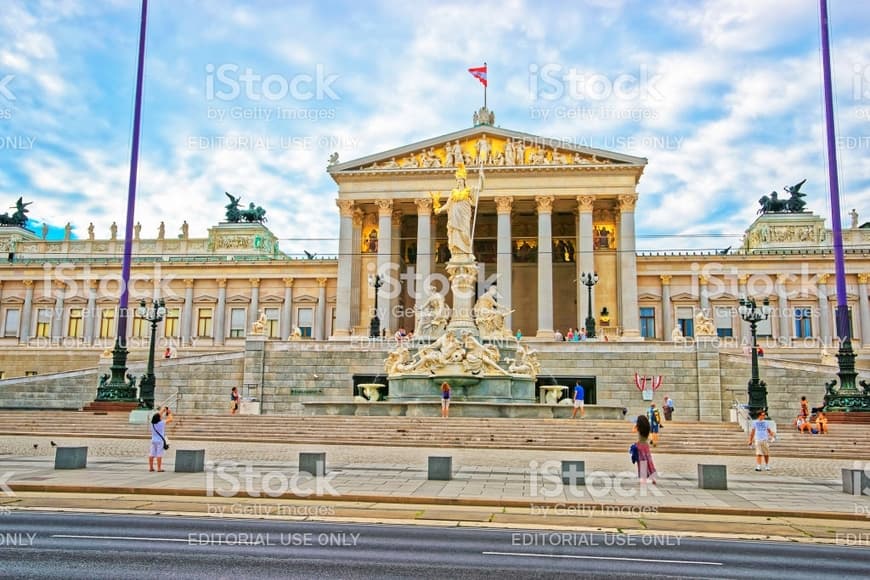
429, 500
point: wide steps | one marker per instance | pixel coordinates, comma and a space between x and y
553, 434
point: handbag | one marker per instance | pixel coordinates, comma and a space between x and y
165, 444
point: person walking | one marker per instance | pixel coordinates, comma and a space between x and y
762, 435
668, 408
236, 401
158, 442
579, 400
445, 400
645, 466
655, 423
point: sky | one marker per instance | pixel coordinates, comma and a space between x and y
723, 97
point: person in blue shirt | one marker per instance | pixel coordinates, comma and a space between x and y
579, 395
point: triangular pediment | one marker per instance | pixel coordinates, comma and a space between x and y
684, 297
271, 299
503, 149
648, 296
239, 299
205, 299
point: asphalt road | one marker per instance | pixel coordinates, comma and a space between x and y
83, 545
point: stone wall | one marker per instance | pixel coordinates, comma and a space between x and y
69, 390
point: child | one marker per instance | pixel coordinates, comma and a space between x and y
445, 400
645, 466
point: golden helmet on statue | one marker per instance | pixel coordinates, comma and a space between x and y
460, 171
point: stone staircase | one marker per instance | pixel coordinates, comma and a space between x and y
845, 441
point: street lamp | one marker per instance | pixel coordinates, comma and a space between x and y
376, 281
753, 314
152, 314
589, 279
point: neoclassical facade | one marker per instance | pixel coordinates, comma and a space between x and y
546, 213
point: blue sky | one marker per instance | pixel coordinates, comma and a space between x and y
723, 97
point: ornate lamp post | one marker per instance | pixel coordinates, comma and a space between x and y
376, 281
753, 314
152, 314
589, 279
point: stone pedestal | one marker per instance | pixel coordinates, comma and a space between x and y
440, 468
463, 277
312, 463
574, 472
71, 458
712, 477
190, 460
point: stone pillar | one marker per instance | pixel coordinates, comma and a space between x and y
545, 266
57, 311
187, 322
424, 246
824, 310
667, 307
220, 312
785, 333
584, 256
254, 308
26, 312
704, 294
504, 258
90, 316
385, 268
396, 242
864, 308
356, 267
345, 268
630, 317
320, 311
745, 333
710, 404
286, 326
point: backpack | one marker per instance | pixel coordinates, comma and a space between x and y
632, 451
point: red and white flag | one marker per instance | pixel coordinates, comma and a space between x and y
479, 72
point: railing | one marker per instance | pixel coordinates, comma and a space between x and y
175, 406
744, 419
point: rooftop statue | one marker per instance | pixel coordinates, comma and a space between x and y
19, 217
253, 214
794, 204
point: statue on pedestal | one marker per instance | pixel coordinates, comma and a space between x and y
259, 326
459, 208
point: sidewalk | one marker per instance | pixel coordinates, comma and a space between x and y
501, 487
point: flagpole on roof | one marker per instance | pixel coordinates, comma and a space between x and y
484, 87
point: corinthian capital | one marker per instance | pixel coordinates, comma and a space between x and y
544, 203
585, 203
385, 207
345, 207
627, 202
503, 204
424, 206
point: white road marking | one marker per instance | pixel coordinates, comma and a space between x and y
532, 555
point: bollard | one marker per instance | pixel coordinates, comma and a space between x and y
190, 461
855, 482
71, 458
574, 472
440, 468
712, 477
313, 463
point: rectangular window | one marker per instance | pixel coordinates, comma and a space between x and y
203, 322
43, 322
107, 323
803, 322
140, 326
237, 322
686, 320
13, 319
723, 319
74, 329
648, 322
170, 325
305, 321
272, 315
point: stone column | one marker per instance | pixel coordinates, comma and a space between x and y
187, 322
26, 312
545, 266
254, 308
630, 317
90, 316
745, 333
667, 308
57, 311
584, 256
385, 268
220, 311
504, 258
424, 246
785, 333
704, 294
286, 326
824, 310
864, 309
345, 268
356, 267
396, 243
320, 311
